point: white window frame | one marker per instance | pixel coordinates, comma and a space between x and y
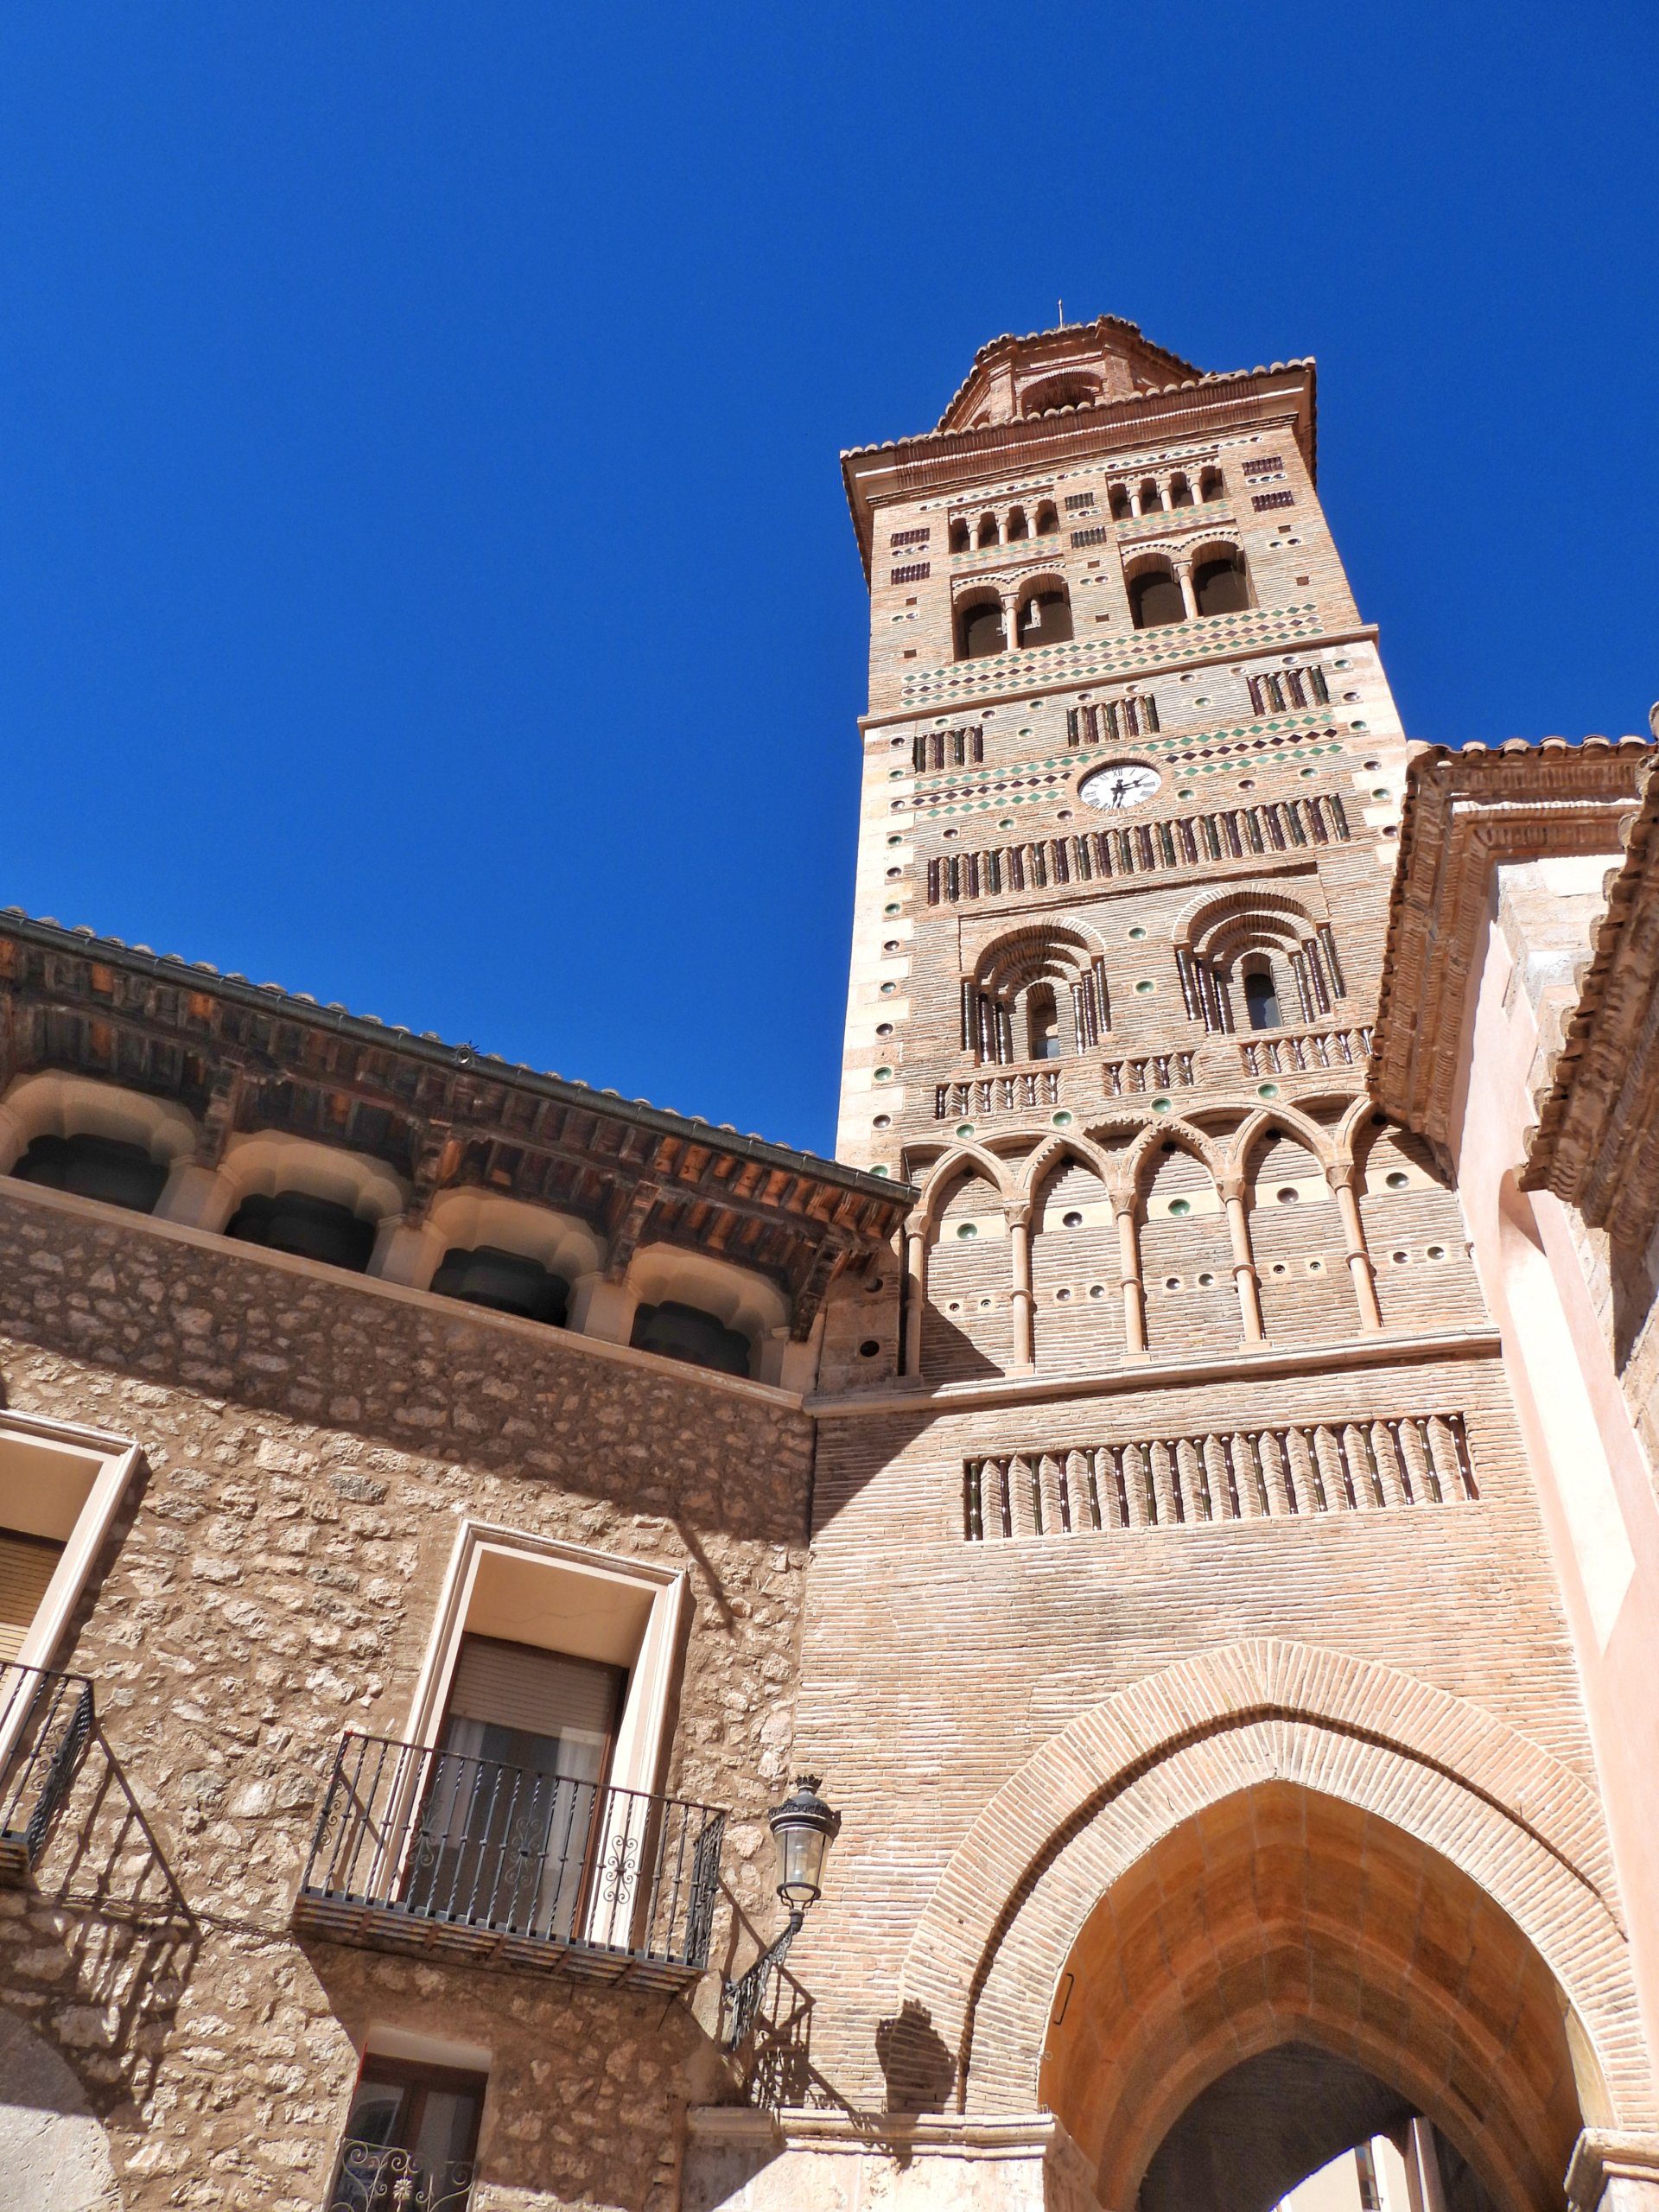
642, 1737
120, 1458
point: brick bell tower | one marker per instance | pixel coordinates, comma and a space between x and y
1132, 776
1170, 1455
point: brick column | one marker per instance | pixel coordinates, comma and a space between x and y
1134, 1296
1025, 1354
1341, 1179
1244, 1275
1184, 577
915, 1291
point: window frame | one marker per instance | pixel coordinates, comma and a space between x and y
643, 1737
120, 1458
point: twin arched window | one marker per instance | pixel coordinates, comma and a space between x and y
1154, 599
1045, 616
1220, 585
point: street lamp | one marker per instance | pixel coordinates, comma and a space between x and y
803, 1828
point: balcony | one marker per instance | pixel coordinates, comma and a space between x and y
45, 1721
423, 1850
370, 2177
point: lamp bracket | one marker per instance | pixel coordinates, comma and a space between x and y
744, 1997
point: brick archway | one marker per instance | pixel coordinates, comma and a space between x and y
985, 1962
1282, 1915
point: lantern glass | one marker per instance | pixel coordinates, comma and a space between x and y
804, 1826
800, 1864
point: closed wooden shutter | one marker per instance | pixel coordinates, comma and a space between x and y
27, 1565
544, 1693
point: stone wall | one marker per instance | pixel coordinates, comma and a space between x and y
311, 1442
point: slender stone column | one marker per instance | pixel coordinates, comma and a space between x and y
1025, 1353
1244, 1275
1341, 1179
1184, 577
1134, 1295
915, 1291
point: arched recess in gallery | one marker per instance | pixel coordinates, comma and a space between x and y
1382, 1902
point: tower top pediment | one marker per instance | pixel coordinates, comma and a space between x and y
1080, 363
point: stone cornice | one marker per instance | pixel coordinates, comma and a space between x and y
1597, 1143
1217, 1367
1466, 814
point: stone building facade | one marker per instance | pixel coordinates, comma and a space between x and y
1213, 1565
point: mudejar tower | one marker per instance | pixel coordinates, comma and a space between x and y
1178, 1584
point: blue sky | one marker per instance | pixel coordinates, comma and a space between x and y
426, 577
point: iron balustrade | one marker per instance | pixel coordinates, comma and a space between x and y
420, 1848
45, 1721
370, 2177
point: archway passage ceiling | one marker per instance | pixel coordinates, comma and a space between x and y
1268, 2123
1281, 1915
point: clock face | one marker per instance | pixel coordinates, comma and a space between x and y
1122, 784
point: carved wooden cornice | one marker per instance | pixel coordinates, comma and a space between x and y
1466, 814
1597, 1142
242, 1056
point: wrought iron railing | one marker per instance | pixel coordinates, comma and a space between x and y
45, 1721
369, 2177
428, 1849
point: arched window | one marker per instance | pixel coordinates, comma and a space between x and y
95, 1167
1122, 507
987, 529
1048, 519
982, 630
1155, 598
1211, 485
1018, 526
1042, 1024
1152, 499
1261, 998
507, 1282
1046, 616
1058, 392
1180, 493
1218, 585
678, 1331
961, 538
314, 1229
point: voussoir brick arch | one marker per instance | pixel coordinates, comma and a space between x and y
1282, 1120
985, 1959
1054, 1151
1165, 1132
1207, 913
950, 1169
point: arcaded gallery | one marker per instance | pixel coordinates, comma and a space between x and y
1100, 1649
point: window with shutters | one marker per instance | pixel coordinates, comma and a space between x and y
554, 1659
515, 1803
59, 1490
